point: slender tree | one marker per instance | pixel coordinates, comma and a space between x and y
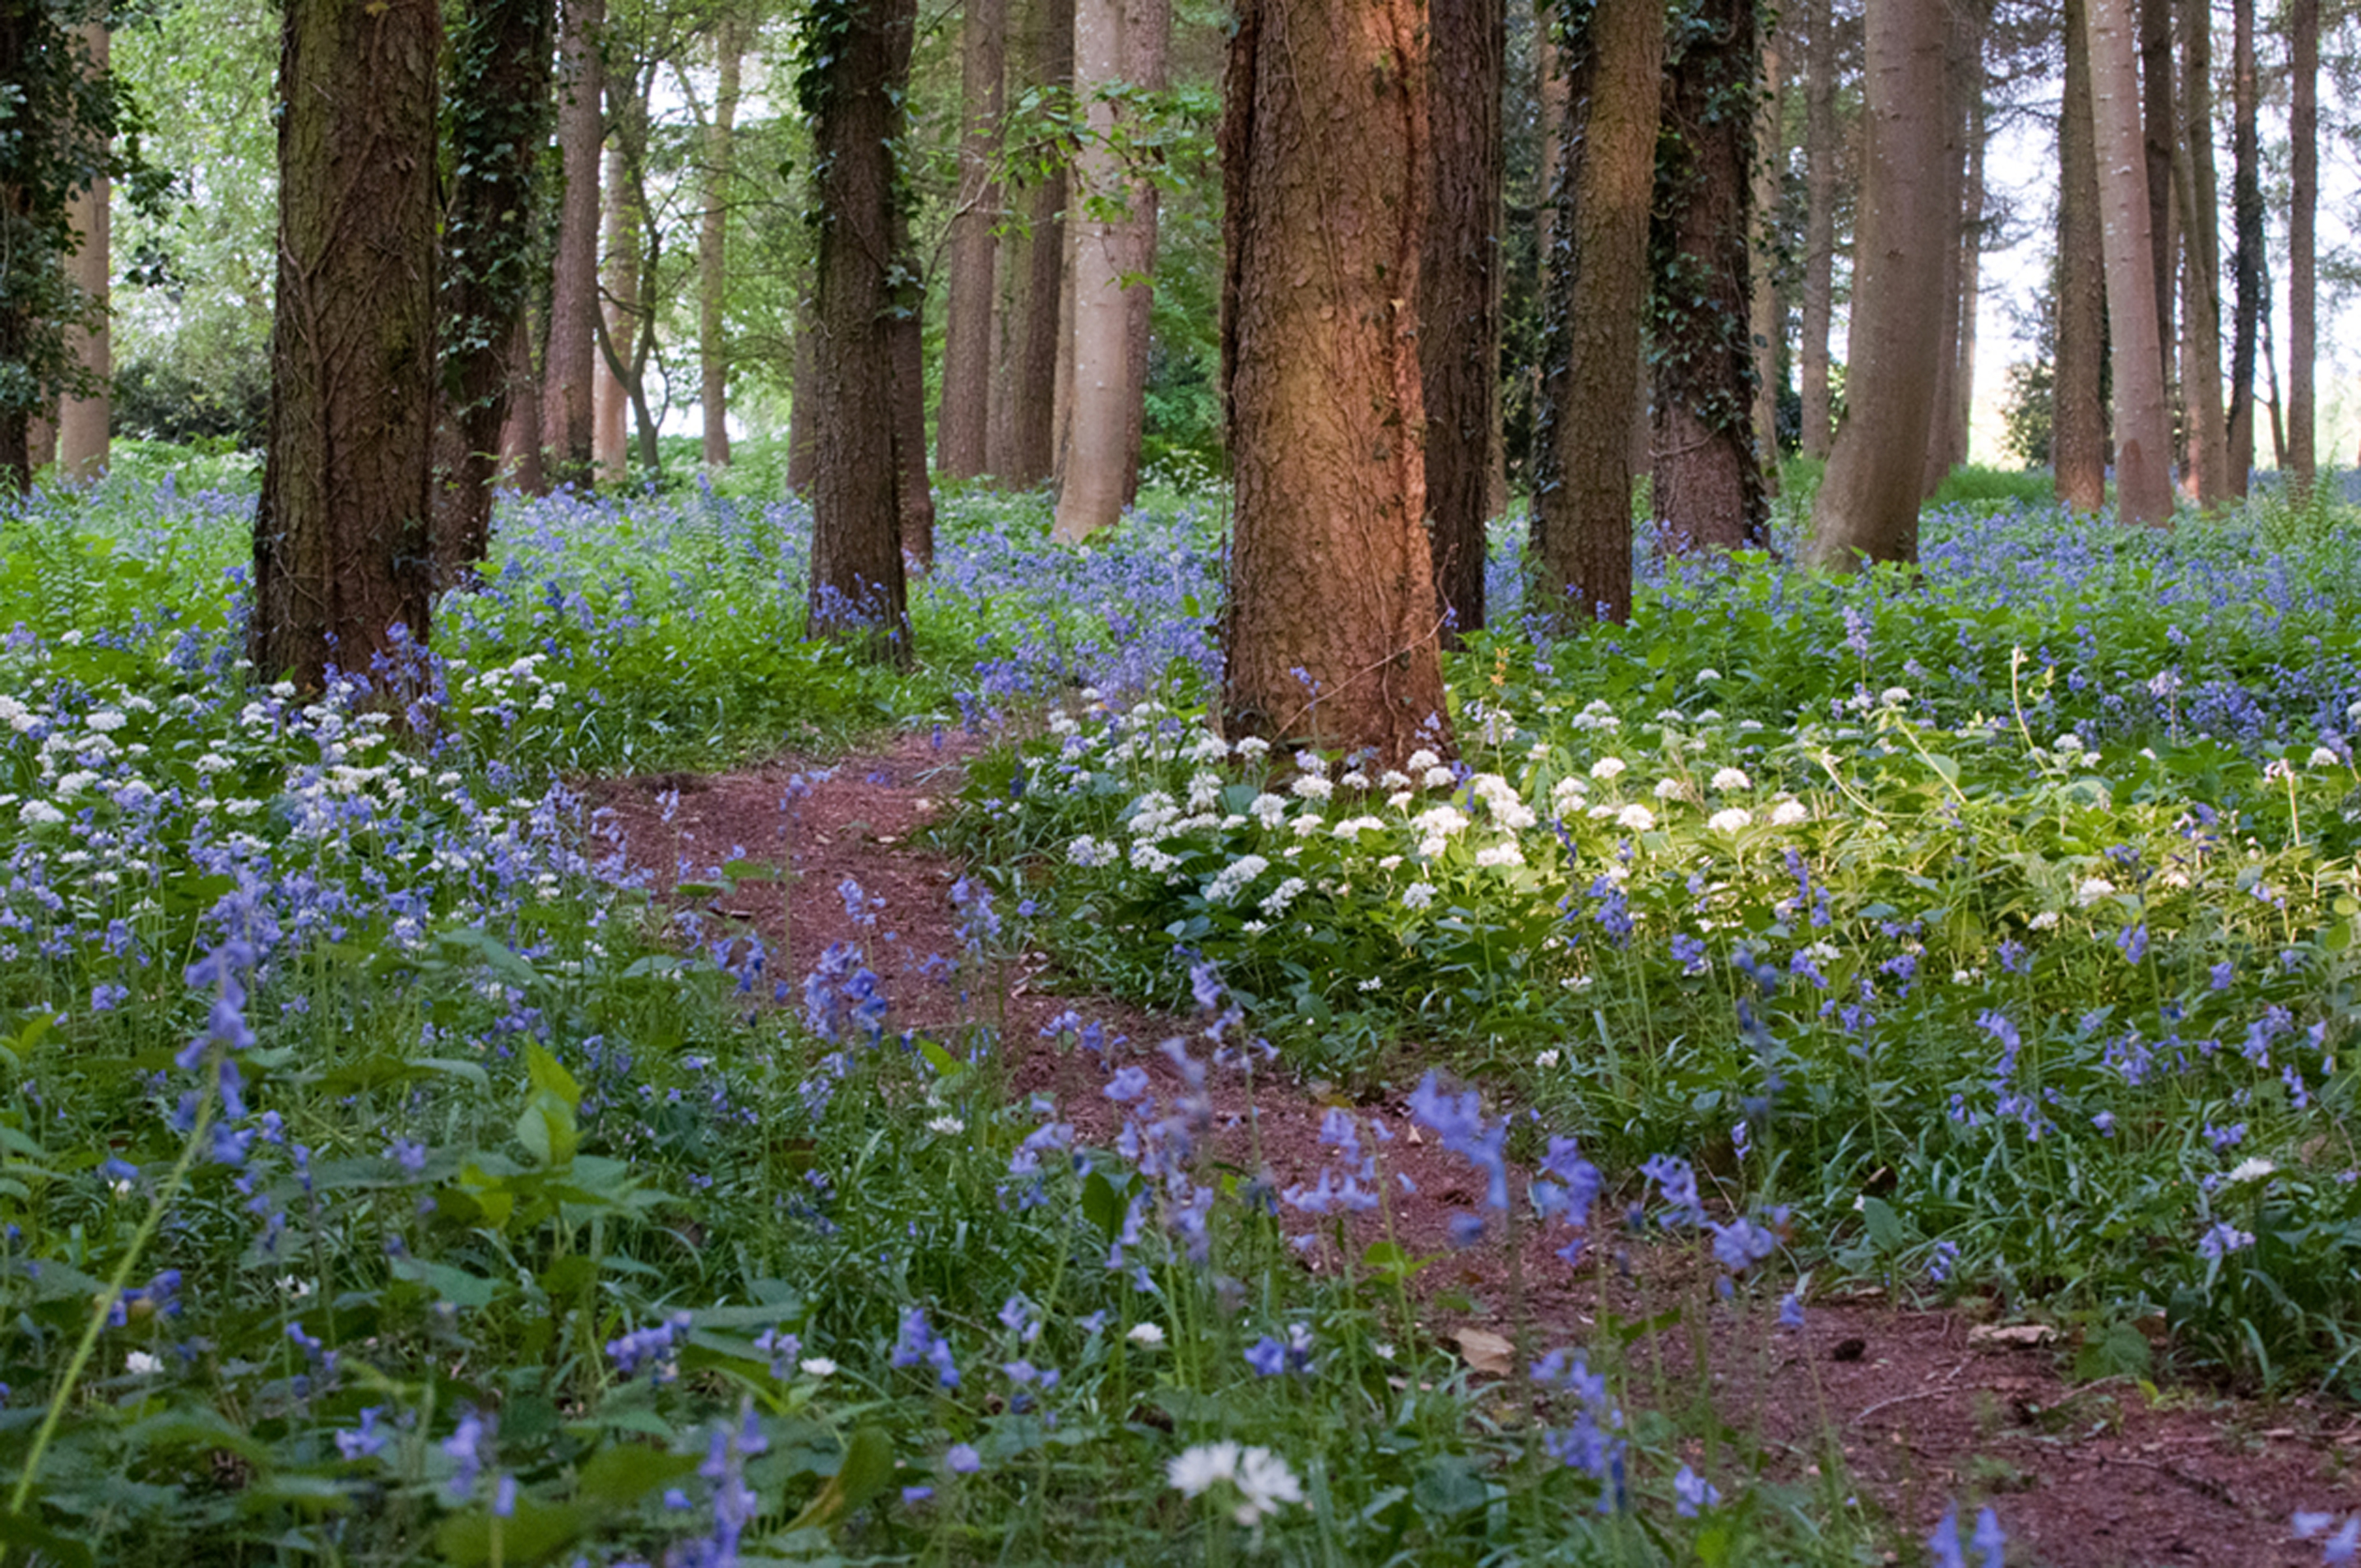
1868, 505
1459, 303
2201, 315
853, 84
1819, 223
342, 566
619, 288
2077, 438
713, 242
959, 422
83, 413
1323, 148
1146, 52
1766, 319
570, 363
2303, 203
1581, 548
1962, 75
2159, 134
1033, 387
2143, 424
2247, 263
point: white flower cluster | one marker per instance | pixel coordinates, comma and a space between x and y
1259, 1478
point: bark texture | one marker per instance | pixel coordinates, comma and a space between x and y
1036, 381
1330, 629
1766, 322
1103, 250
1708, 488
2078, 435
858, 595
342, 571
2159, 133
611, 402
2303, 271
1146, 50
960, 421
81, 433
1459, 296
570, 361
1819, 224
713, 245
1581, 543
2143, 422
2201, 314
2247, 208
1868, 505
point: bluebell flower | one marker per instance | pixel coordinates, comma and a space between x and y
366, 1440
1693, 1493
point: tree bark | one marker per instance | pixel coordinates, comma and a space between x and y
1035, 391
498, 108
975, 218
1581, 542
521, 448
1935, 458
1459, 296
610, 403
1091, 480
2078, 435
1962, 412
905, 336
342, 566
858, 594
2247, 205
2143, 422
2159, 134
2201, 381
1147, 49
81, 432
1819, 224
1766, 322
713, 246
2303, 138
1868, 505
1330, 629
570, 361
1709, 488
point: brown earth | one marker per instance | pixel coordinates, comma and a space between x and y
1919, 1407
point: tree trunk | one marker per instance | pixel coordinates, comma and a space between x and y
2247, 205
2159, 133
342, 566
1147, 47
1581, 542
1868, 505
1708, 488
1819, 224
1330, 629
1766, 322
571, 359
2209, 434
906, 340
82, 421
2303, 137
1044, 342
1936, 457
611, 402
975, 218
521, 449
498, 111
2143, 422
713, 248
1962, 413
2078, 432
1458, 308
858, 595
1089, 489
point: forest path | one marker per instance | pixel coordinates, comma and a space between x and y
1926, 1405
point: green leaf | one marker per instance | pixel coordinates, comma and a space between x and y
546, 1072
621, 1474
15, 1529
455, 1286
535, 1532
868, 1467
1885, 1227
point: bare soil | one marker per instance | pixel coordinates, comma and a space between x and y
1919, 1407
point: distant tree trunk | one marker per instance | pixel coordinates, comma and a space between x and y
1044, 341
858, 595
905, 336
803, 404
570, 361
1323, 154
1868, 505
1550, 94
2143, 422
1458, 309
1962, 412
960, 419
611, 402
498, 108
2159, 133
81, 431
1101, 246
2078, 435
2303, 137
1819, 223
2271, 370
1936, 450
1708, 488
1581, 542
2201, 381
342, 562
2247, 205
1766, 323
1147, 48
713, 246
521, 430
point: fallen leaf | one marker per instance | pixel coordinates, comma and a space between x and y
1486, 1351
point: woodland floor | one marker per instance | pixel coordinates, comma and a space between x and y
2095, 1475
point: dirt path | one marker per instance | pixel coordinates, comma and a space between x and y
1924, 1408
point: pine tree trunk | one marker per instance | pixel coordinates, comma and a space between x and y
1581, 543
82, 421
959, 420
2247, 208
521, 445
1044, 341
342, 549
1766, 322
1868, 505
570, 361
2159, 133
2209, 434
1709, 488
1936, 459
610, 402
2303, 138
1458, 309
2078, 435
499, 106
2143, 422
1148, 45
1819, 224
906, 338
713, 248
1330, 629
1089, 489
858, 594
